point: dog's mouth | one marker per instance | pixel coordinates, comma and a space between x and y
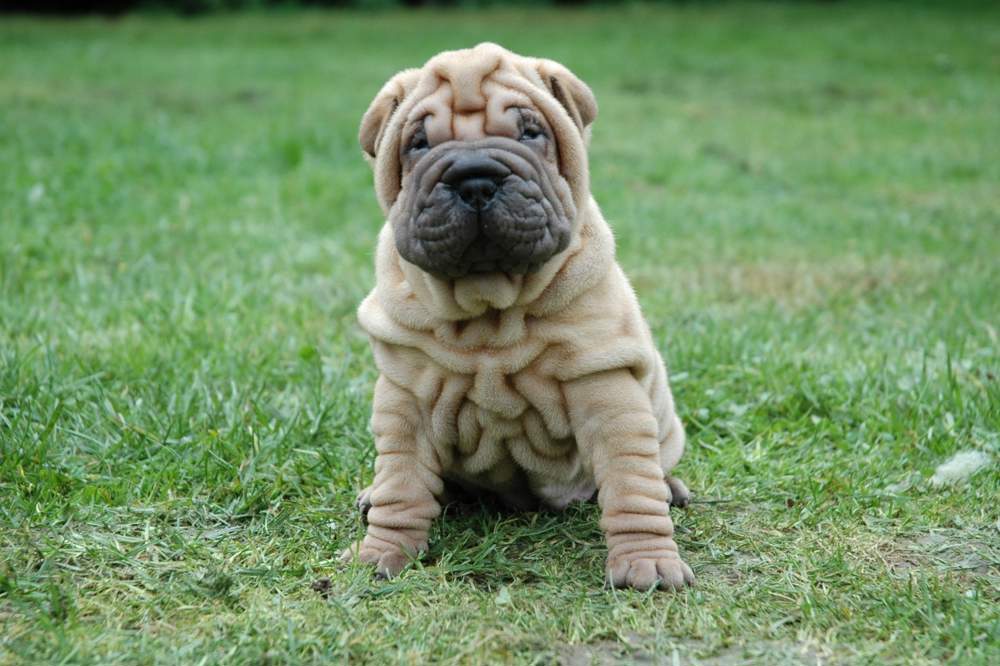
482, 207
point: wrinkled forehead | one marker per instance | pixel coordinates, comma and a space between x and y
469, 94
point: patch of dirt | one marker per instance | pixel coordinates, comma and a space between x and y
793, 284
632, 651
969, 553
322, 587
765, 652
604, 652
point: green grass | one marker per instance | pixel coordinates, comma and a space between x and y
806, 198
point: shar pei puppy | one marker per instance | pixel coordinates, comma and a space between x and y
512, 354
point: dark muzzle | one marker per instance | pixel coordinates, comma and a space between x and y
480, 207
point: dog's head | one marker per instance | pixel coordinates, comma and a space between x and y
480, 160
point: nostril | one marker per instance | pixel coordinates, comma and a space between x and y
477, 192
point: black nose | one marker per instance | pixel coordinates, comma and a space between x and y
477, 192
476, 178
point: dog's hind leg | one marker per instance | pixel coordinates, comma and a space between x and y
671, 449
680, 496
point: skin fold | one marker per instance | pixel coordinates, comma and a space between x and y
513, 356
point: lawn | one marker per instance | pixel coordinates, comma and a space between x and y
806, 197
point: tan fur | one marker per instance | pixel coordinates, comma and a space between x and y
538, 387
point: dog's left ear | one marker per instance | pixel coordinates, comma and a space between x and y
575, 95
380, 111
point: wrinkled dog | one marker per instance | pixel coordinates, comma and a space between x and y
512, 353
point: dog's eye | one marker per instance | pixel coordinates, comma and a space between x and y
418, 141
532, 132
531, 129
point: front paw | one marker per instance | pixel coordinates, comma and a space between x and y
644, 570
389, 558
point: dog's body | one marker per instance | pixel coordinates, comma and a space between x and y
512, 352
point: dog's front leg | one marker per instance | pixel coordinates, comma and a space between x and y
614, 426
402, 497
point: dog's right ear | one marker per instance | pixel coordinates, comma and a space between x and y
380, 111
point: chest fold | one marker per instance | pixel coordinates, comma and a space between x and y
464, 410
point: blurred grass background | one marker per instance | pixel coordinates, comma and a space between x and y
805, 197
